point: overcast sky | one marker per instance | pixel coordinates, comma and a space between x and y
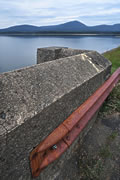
50, 12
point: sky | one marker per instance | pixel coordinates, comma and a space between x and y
51, 12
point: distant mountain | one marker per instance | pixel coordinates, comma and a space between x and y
73, 26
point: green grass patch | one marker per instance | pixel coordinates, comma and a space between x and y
114, 57
105, 152
90, 167
112, 103
112, 136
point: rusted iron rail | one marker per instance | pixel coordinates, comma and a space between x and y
63, 136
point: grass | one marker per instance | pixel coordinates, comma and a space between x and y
112, 136
112, 103
105, 152
90, 167
114, 57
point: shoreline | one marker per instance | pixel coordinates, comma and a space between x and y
111, 50
59, 34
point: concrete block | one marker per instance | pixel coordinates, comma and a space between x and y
35, 100
53, 53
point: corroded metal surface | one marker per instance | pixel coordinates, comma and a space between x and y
63, 136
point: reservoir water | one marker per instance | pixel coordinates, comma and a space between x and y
21, 51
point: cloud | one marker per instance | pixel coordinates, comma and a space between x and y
41, 12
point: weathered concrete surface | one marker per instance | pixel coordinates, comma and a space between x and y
53, 53
35, 100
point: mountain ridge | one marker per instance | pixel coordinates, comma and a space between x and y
68, 27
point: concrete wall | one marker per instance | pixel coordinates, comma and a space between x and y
35, 100
53, 53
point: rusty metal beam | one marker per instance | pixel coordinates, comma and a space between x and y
63, 136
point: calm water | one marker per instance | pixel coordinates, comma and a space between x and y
20, 51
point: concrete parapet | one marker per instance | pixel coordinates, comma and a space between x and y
53, 53
35, 100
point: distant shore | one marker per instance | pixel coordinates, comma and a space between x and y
60, 34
